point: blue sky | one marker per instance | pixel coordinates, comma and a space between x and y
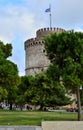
20, 19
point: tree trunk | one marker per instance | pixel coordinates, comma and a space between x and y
41, 107
79, 104
21, 107
10, 106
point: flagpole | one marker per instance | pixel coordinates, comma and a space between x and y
50, 16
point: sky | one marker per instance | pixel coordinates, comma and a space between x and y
20, 19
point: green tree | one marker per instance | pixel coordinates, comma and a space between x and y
3, 94
9, 78
40, 90
45, 93
24, 90
58, 92
65, 51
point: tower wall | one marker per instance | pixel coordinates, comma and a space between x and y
36, 60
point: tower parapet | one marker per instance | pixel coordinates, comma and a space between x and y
33, 42
46, 31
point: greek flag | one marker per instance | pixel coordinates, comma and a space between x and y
47, 10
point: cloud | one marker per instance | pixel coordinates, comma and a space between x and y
18, 19
15, 20
17, 24
65, 13
78, 29
69, 12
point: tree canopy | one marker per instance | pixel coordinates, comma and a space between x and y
8, 71
65, 51
44, 92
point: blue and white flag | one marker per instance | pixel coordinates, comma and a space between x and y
47, 10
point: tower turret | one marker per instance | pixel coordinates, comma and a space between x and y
35, 56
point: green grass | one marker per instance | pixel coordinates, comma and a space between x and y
33, 117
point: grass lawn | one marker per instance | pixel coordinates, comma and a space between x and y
33, 117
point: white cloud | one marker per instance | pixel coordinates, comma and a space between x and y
78, 29
15, 20
69, 12
16, 23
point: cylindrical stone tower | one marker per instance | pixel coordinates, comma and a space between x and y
35, 56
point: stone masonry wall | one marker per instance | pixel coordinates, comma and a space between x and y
35, 56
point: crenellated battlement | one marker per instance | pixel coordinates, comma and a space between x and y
45, 31
50, 29
33, 42
40, 34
